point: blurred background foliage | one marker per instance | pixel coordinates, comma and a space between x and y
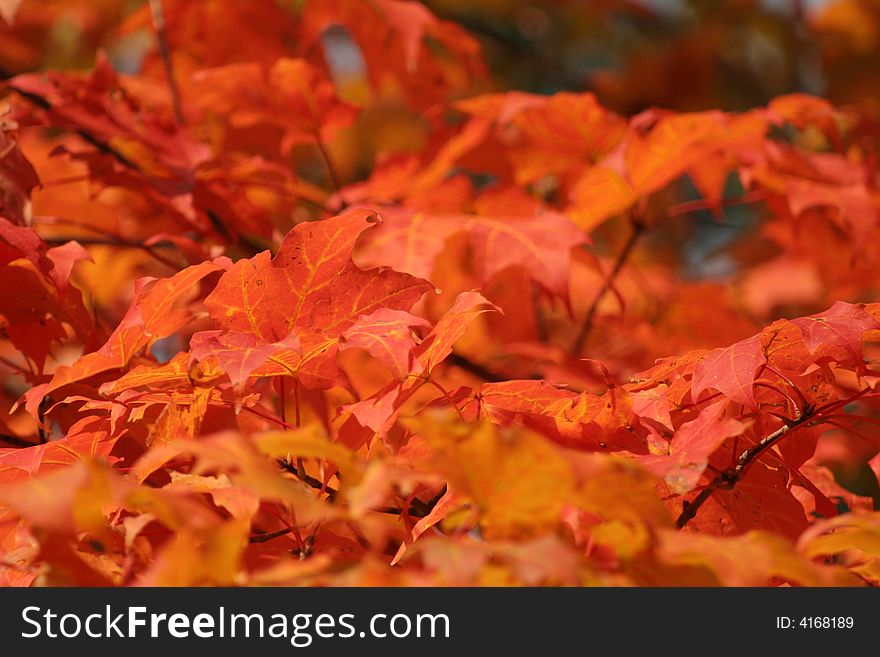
678, 54
684, 55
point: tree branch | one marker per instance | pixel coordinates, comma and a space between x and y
728, 478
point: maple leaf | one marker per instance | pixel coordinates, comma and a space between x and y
550, 136
310, 290
150, 316
90, 437
291, 95
599, 194
761, 559
580, 421
8, 8
669, 146
379, 411
390, 36
89, 487
411, 20
387, 335
237, 352
175, 372
731, 371
452, 326
357, 138
763, 499
38, 296
21, 241
653, 404
18, 174
838, 332
63, 259
311, 283
691, 446
846, 535
101, 107
490, 467
450, 500
541, 245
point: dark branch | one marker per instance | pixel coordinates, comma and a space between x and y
15, 441
457, 360
268, 536
306, 478
102, 146
728, 478
417, 508
421, 509
122, 243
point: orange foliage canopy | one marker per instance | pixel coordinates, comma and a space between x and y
301, 299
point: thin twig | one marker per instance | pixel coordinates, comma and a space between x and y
797, 391
699, 204
268, 536
267, 416
13, 366
164, 50
841, 403
417, 508
853, 418
637, 229
328, 163
102, 146
306, 478
471, 367
282, 395
150, 250
42, 408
